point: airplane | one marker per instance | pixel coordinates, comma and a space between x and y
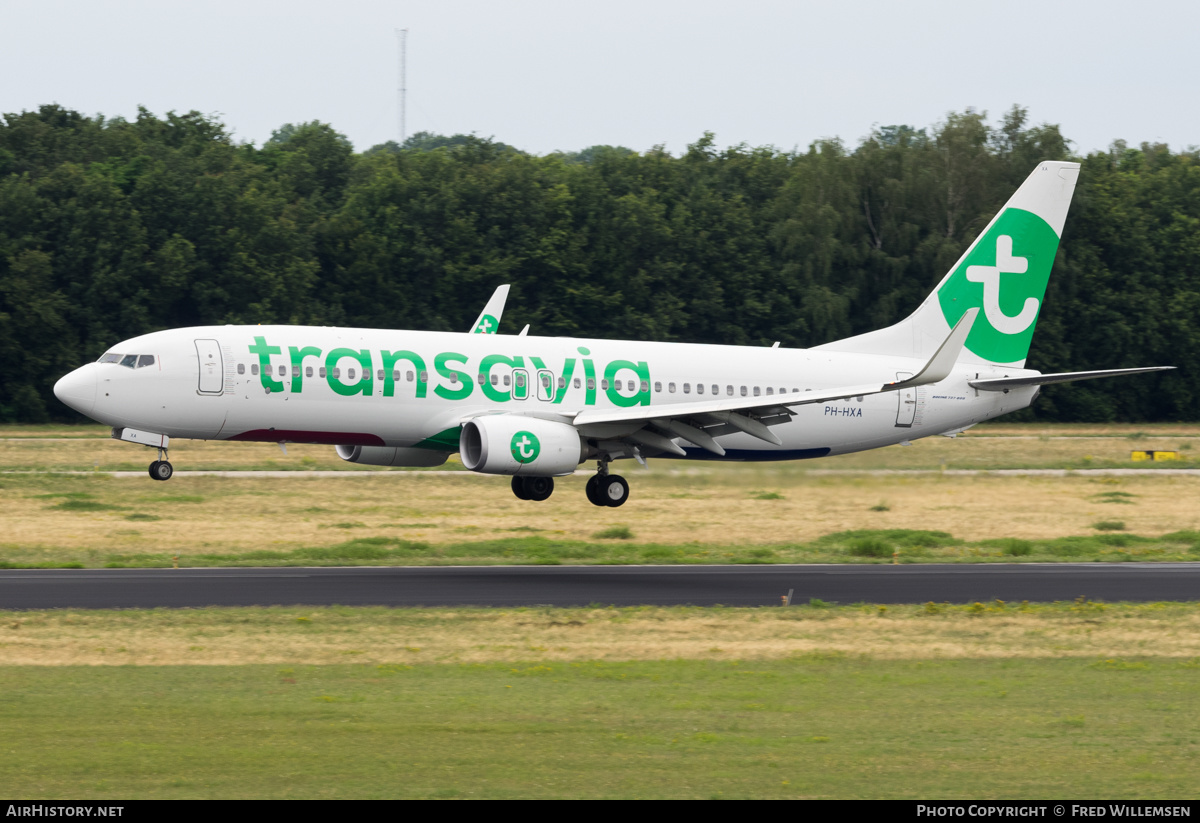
535, 408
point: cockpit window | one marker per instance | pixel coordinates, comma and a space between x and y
129, 361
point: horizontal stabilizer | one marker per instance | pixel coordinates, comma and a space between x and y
1006, 383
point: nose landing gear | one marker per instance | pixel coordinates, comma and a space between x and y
161, 469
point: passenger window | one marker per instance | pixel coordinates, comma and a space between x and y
591, 384
337, 372
321, 371
577, 383
129, 361
644, 388
507, 379
657, 386
495, 379
743, 390
729, 390
520, 380
424, 377
770, 391
454, 377
295, 371
717, 389
409, 377
480, 379
145, 360
687, 388
254, 368
283, 371
603, 385
241, 368
379, 375
308, 371
562, 382
349, 374
699, 388
671, 388
396, 375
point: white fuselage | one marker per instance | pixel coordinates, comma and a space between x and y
414, 388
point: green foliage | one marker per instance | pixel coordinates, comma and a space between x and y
870, 547
112, 228
614, 533
1109, 525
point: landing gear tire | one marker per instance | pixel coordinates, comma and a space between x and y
518, 487
161, 470
614, 491
538, 488
592, 489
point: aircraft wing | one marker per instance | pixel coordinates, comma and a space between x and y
489, 319
699, 422
1006, 383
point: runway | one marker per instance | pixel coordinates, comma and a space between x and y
584, 585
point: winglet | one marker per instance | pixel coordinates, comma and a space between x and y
489, 319
942, 363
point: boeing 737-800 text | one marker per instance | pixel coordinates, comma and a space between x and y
535, 407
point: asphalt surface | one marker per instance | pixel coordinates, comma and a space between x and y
581, 586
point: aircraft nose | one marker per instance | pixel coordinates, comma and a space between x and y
78, 389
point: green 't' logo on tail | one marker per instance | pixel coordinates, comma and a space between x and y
487, 325
1005, 275
525, 447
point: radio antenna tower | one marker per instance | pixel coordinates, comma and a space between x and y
402, 35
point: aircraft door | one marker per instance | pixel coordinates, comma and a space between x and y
545, 384
212, 369
906, 399
520, 384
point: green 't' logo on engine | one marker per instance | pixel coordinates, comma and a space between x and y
525, 447
487, 325
1005, 275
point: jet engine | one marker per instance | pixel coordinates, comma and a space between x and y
518, 445
391, 456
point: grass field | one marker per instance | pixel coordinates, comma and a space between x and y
735, 513
988, 446
994, 701
546, 635
989, 700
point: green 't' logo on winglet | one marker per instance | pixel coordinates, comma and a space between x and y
487, 325
525, 447
1005, 276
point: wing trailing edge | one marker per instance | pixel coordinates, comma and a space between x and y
1006, 383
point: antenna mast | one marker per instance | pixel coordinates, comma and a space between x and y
402, 35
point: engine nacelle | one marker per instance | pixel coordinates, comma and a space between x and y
514, 444
391, 456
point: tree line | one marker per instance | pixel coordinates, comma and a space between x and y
111, 228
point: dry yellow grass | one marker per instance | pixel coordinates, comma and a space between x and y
985, 447
242, 636
212, 515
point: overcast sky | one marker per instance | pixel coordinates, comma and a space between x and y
546, 76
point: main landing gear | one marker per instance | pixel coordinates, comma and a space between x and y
160, 469
604, 489
533, 488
